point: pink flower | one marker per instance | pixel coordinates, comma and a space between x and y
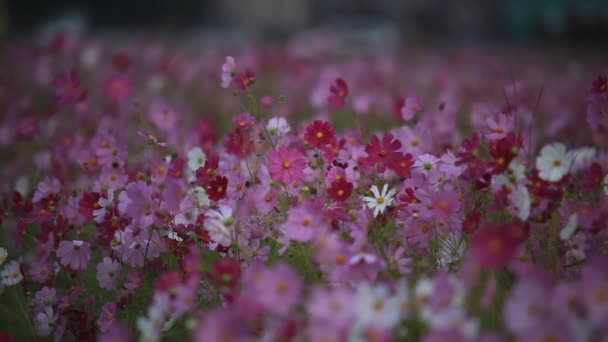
108, 272
499, 126
107, 317
75, 254
136, 202
243, 120
278, 289
302, 223
286, 164
117, 88
228, 71
411, 106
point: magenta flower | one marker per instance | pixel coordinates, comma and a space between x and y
243, 120
286, 164
117, 88
108, 273
67, 88
75, 254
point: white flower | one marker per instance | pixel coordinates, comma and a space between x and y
200, 196
451, 250
569, 229
228, 71
104, 203
174, 236
219, 224
522, 202
278, 126
45, 321
3, 255
582, 158
196, 159
380, 200
374, 305
11, 274
554, 162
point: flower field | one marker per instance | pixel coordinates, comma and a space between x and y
161, 190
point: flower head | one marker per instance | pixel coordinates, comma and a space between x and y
554, 162
411, 106
11, 274
117, 88
319, 134
67, 88
338, 93
228, 71
75, 254
286, 164
380, 200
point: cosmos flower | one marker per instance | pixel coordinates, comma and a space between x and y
338, 93
220, 225
286, 164
117, 88
380, 200
554, 162
411, 106
228, 71
108, 273
11, 274
196, 159
75, 254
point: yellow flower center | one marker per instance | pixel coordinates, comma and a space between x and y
380, 200
286, 164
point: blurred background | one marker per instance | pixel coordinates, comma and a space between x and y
527, 21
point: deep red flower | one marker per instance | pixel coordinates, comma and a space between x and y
340, 190
504, 151
541, 188
176, 168
225, 272
468, 150
244, 80
408, 197
205, 174
600, 84
207, 131
471, 222
382, 152
88, 203
121, 61
168, 282
238, 143
338, 93
319, 134
493, 246
402, 164
592, 177
216, 189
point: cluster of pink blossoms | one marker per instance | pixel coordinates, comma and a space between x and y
151, 193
